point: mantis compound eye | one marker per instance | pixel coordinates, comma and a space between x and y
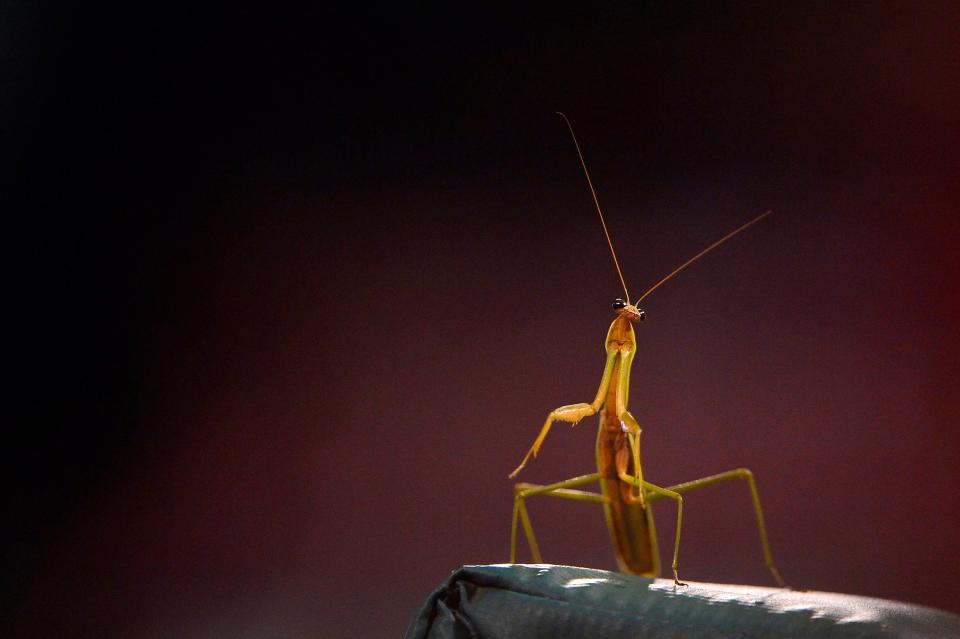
643, 315
618, 304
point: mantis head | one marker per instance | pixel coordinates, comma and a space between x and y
628, 311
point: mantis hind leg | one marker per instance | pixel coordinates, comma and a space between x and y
739, 473
563, 490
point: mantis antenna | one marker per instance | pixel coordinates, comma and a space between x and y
704, 252
599, 212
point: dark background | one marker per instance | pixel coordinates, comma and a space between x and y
290, 293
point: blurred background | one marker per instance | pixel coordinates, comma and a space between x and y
290, 293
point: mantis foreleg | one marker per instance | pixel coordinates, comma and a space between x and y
572, 413
629, 423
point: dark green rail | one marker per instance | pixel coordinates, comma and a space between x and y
533, 601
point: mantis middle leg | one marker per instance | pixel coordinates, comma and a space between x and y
654, 492
562, 490
739, 473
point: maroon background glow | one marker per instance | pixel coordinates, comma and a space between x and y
297, 292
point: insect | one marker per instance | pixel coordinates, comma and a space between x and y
624, 493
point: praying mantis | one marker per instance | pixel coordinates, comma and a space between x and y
625, 495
